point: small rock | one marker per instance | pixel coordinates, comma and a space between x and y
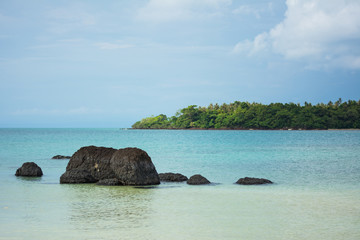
77, 176
29, 169
172, 177
197, 180
60, 157
253, 181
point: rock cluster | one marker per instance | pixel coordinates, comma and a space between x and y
200, 180
112, 167
128, 166
29, 169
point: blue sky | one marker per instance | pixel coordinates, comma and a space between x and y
111, 63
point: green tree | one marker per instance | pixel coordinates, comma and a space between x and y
244, 115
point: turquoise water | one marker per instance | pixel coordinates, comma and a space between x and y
316, 194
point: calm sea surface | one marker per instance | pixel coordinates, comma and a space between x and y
316, 194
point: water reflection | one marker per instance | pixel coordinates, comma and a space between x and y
29, 179
91, 206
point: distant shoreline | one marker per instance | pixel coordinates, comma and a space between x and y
257, 116
246, 129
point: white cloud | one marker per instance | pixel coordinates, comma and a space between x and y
325, 31
250, 48
174, 10
252, 10
246, 9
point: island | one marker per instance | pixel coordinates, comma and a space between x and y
245, 115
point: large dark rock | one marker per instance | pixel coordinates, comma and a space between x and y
197, 180
96, 160
109, 182
172, 177
29, 169
133, 166
253, 181
77, 176
61, 157
130, 166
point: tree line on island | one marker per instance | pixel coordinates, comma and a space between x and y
245, 115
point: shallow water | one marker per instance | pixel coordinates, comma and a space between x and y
316, 194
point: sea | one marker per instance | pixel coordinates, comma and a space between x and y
315, 195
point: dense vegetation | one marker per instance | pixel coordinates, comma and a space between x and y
245, 115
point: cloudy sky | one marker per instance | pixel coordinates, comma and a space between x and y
111, 63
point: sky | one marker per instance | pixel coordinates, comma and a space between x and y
111, 63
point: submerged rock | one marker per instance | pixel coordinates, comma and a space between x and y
253, 181
29, 169
129, 166
197, 180
60, 157
77, 176
172, 177
109, 182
